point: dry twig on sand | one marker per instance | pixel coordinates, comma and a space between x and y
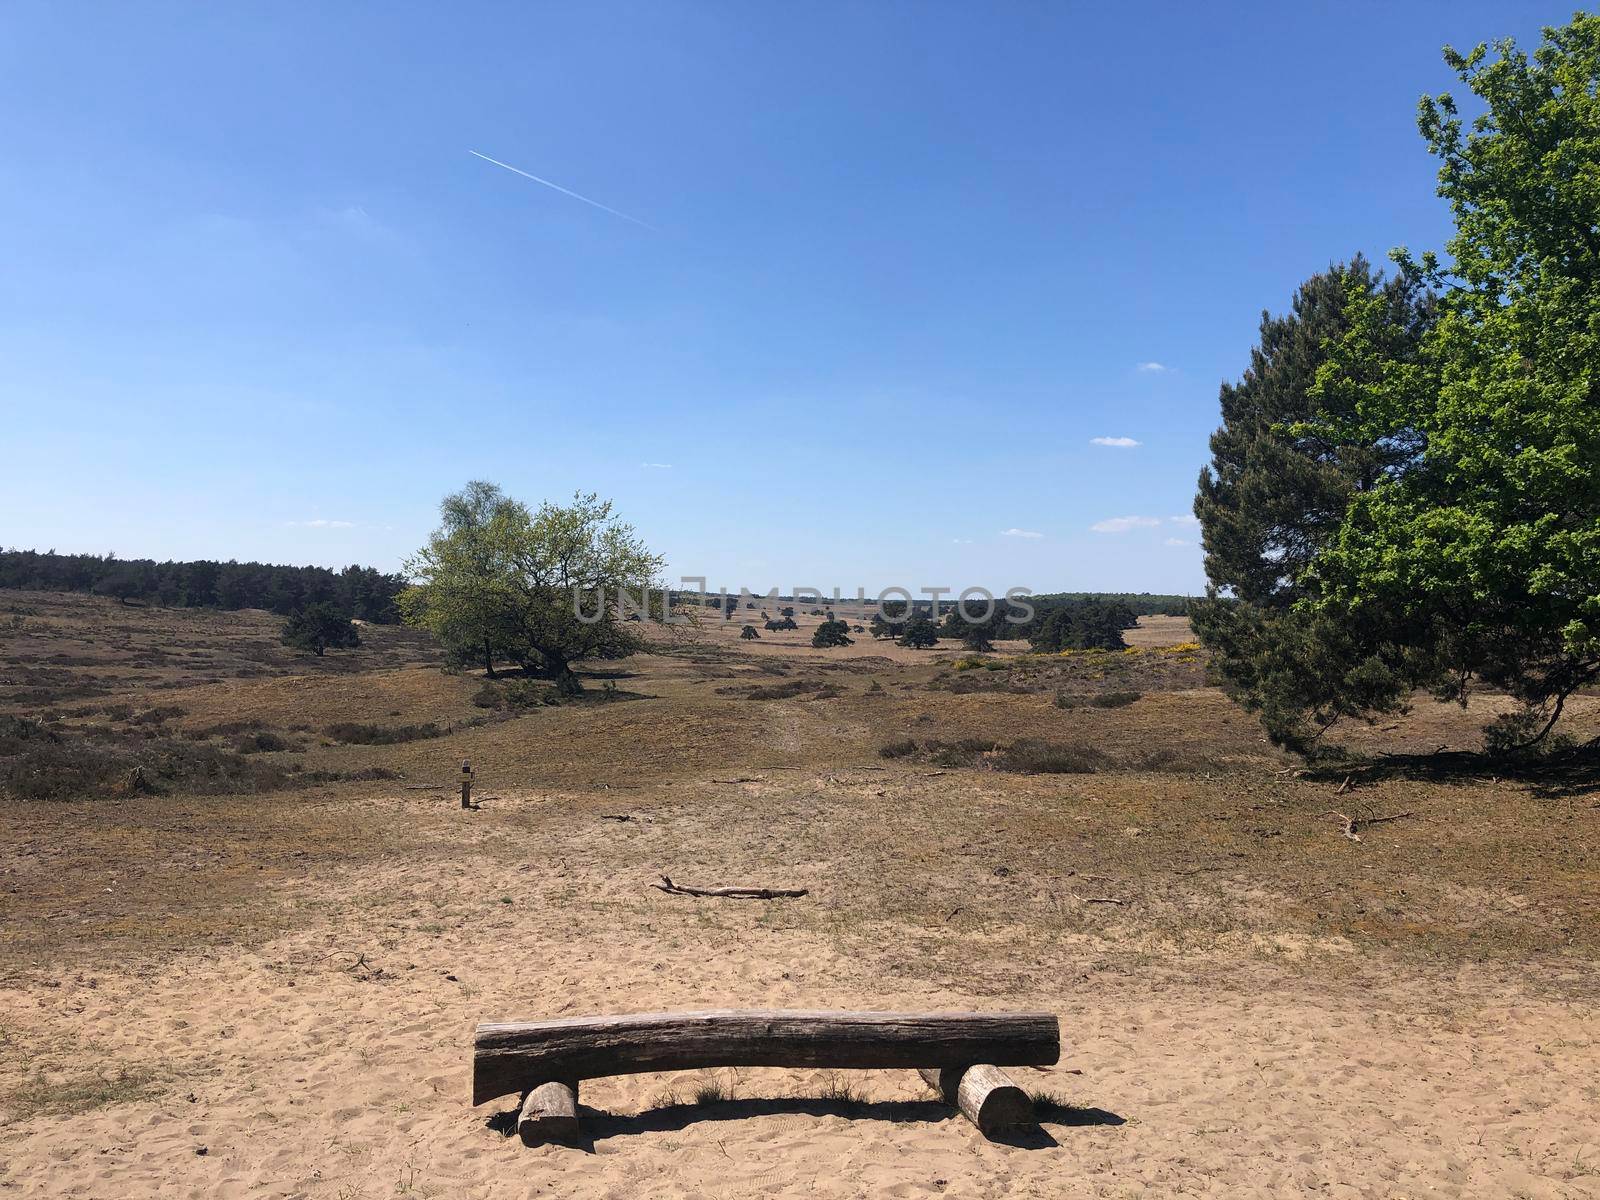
1352, 825
728, 893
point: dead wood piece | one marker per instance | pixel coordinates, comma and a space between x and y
549, 1113
727, 893
510, 1056
984, 1094
1352, 825
1101, 900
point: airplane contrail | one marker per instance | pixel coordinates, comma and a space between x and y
565, 191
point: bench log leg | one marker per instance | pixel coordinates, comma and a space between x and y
549, 1113
985, 1095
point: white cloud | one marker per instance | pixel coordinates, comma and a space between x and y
1122, 443
1184, 519
961, 541
1154, 367
1022, 533
658, 466
1177, 542
1123, 524
322, 523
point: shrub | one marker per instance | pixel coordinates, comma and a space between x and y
1030, 757
261, 743
1101, 700
791, 689
901, 748
19, 734
354, 734
53, 767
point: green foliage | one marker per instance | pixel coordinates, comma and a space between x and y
366, 593
831, 633
1080, 625
920, 633
1468, 547
1140, 604
748, 633
1276, 490
500, 582
781, 624
978, 635
320, 627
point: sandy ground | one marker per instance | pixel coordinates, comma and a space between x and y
334, 1061
274, 996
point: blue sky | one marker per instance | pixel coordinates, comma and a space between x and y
900, 265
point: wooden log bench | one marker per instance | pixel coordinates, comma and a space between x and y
958, 1054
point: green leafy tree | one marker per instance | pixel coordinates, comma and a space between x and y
1273, 498
499, 581
1470, 552
889, 619
919, 633
748, 633
125, 582
320, 627
1080, 625
831, 633
977, 635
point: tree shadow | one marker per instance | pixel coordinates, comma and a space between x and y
1570, 772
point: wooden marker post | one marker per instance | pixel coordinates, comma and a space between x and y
466, 784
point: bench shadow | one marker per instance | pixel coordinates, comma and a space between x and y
599, 1125
1066, 1114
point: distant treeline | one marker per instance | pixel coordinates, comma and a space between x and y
1141, 604
362, 592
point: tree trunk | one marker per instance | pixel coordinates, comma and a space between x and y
508, 1057
488, 659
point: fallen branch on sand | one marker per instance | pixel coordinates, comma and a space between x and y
728, 893
1353, 824
740, 779
1101, 900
